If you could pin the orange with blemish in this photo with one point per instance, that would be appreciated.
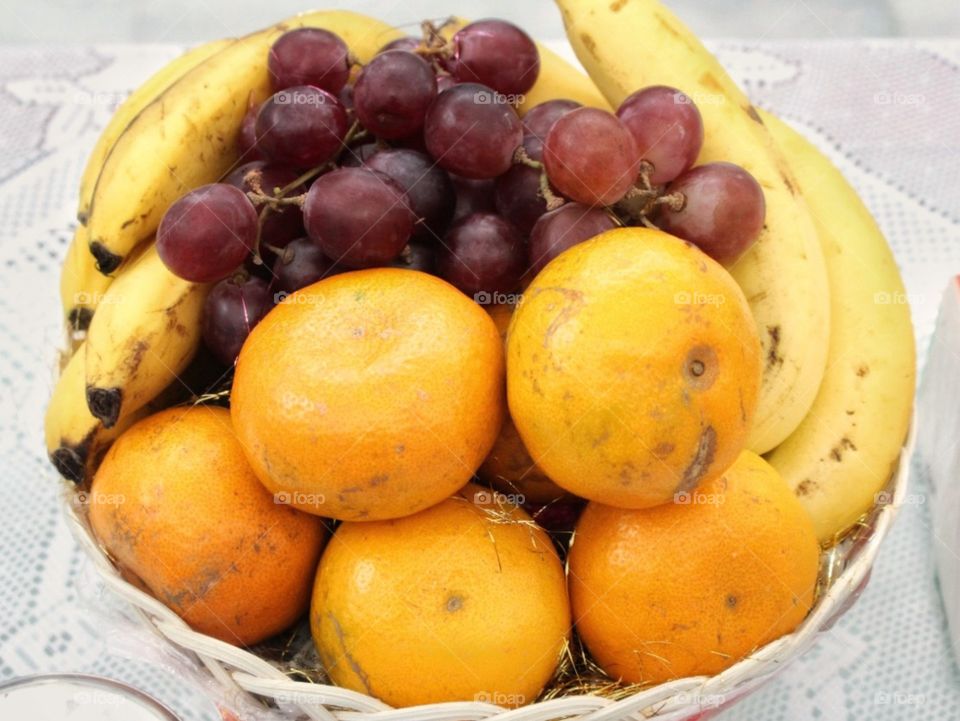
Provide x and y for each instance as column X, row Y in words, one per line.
column 176, row 504
column 633, row 366
column 692, row 587
column 465, row 601
column 370, row 395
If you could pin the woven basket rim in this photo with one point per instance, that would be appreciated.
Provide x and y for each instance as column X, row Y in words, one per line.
column 241, row 672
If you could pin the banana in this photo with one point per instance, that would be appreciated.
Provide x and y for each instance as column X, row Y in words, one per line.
column 187, row 136
column 144, row 334
column 81, row 285
column 130, row 108
column 629, row 44
column 75, row 438
column 560, row 79
column 843, row 453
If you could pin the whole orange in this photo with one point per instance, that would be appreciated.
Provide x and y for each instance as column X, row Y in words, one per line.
column 508, row 467
column 692, row 587
column 465, row 601
column 176, row 504
column 633, row 365
column 370, row 395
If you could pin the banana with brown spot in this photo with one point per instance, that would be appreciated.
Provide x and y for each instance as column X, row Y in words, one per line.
column 629, row 44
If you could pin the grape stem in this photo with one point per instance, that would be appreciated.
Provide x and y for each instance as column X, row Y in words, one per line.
column 644, row 198
column 522, row 157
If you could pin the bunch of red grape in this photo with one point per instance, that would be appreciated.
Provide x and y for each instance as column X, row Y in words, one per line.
column 419, row 160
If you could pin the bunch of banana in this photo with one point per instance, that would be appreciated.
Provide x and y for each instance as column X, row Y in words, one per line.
column 848, row 395
column 629, row 45
column 81, row 284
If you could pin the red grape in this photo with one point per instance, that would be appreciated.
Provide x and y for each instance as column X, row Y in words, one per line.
column 540, row 118
column 591, row 157
column 230, row 312
column 358, row 217
column 471, row 132
column 408, row 44
column 429, row 189
column 667, row 127
column 206, row 234
column 301, row 126
column 473, row 196
column 393, row 92
column 302, row 264
column 247, row 140
column 483, row 254
column 517, row 192
column 280, row 226
column 497, row 54
column 723, row 212
column 563, row 228
column 418, row 255
column 309, row 56
column 445, row 82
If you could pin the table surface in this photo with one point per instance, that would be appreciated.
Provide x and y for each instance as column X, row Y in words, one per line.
column 888, row 112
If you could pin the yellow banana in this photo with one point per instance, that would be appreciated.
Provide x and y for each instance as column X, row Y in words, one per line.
column 843, row 453
column 145, row 333
column 629, row 44
column 187, row 136
column 130, row 108
column 75, row 438
column 560, row 79
column 81, row 285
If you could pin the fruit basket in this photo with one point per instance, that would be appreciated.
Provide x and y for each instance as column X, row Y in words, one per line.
column 481, row 391
column 844, row 573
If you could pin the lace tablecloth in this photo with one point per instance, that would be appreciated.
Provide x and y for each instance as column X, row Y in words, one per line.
column 887, row 112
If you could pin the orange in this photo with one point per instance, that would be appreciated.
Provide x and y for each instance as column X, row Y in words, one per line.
column 465, row 601
column 508, row 467
column 633, row 366
column 177, row 505
column 692, row 587
column 370, row 395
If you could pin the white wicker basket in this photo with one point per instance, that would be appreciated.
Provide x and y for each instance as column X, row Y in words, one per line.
column 845, row 569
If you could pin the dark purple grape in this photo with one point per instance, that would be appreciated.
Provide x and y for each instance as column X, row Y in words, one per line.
column 429, row 189
column 358, row 217
column 309, row 56
column 563, row 228
column 483, row 254
column 540, row 118
column 418, row 255
column 471, row 132
column 247, row 139
column 301, row 126
column 517, row 197
column 279, row 226
column 667, row 127
column 497, row 54
column 206, row 234
column 393, row 92
column 408, row 44
column 357, row 155
column 473, row 196
column 591, row 157
column 723, row 211
column 302, row 264
column 230, row 312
